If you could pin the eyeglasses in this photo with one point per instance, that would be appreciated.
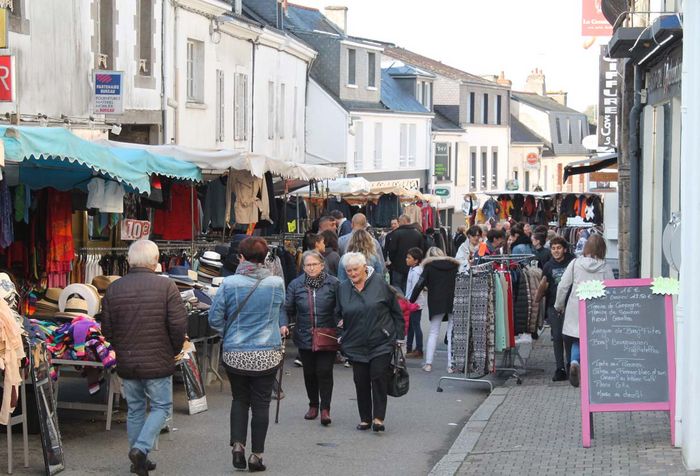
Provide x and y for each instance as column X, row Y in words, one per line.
column 312, row 265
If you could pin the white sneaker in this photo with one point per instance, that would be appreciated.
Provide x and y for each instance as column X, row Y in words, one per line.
column 298, row 363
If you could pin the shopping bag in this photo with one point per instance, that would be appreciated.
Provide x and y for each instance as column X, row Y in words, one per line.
column 194, row 385
column 398, row 374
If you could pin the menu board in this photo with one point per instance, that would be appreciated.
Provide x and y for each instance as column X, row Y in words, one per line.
column 627, row 355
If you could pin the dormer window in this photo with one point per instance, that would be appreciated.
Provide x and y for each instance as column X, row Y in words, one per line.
column 371, row 70
column 352, row 56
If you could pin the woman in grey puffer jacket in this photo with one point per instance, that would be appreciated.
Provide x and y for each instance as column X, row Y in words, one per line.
column 312, row 299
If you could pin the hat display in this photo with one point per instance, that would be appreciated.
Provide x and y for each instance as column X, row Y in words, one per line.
column 212, row 259
column 87, row 292
column 181, row 276
column 49, row 303
column 101, row 283
column 75, row 307
column 7, row 287
column 210, row 266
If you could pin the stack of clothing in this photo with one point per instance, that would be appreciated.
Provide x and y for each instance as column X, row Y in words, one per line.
column 82, row 339
column 210, row 265
column 48, row 305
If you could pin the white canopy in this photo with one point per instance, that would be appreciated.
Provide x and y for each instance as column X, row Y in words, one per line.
column 340, row 186
column 216, row 162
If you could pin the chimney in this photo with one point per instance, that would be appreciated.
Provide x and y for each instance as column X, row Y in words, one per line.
column 339, row 16
column 535, row 83
column 503, row 81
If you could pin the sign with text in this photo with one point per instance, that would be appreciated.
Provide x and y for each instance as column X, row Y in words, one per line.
column 608, row 114
column 108, row 97
column 132, row 230
column 593, row 22
column 627, row 352
column 442, row 161
column 7, row 78
column 408, row 184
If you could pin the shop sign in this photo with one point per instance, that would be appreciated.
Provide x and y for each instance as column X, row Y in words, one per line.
column 607, row 100
column 7, row 78
column 532, row 161
column 442, row 192
column 593, row 22
column 442, row 161
column 132, row 230
column 108, row 97
column 408, row 184
column 665, row 78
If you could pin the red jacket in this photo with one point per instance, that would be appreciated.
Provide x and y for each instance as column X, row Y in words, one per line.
column 407, row 307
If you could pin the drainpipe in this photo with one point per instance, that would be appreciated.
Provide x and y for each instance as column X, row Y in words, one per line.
column 635, row 172
column 176, row 79
column 163, row 73
column 252, row 95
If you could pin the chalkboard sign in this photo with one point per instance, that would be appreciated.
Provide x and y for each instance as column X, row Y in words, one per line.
column 627, row 351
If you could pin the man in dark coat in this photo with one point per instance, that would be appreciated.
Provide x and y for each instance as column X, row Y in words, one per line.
column 145, row 320
column 405, row 237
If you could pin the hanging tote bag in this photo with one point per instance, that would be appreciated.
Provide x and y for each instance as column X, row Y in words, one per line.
column 323, row 339
column 398, row 374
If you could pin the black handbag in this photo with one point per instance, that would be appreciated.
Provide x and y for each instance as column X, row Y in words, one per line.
column 398, row 374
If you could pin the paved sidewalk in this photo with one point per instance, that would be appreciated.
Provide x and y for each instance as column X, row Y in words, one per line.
column 535, row 428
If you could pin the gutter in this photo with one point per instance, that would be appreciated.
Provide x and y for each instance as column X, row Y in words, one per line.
column 635, row 171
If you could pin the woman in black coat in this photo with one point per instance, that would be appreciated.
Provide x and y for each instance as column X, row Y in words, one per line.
column 372, row 324
column 312, row 299
column 440, row 277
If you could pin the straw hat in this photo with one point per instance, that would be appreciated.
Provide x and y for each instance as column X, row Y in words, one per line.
column 103, row 282
column 50, row 300
column 87, row 292
column 75, row 307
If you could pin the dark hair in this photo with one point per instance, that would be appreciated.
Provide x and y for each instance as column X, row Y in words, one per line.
column 558, row 240
column 541, row 237
column 517, row 229
column 541, row 229
column 311, row 240
column 595, row 247
column 475, row 230
column 331, row 239
column 254, row 249
column 495, row 234
column 325, row 219
column 337, row 214
column 415, row 253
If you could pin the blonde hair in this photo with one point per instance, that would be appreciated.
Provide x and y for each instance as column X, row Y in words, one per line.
column 434, row 252
column 362, row 242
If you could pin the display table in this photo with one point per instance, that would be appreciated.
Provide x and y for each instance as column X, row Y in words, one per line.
column 210, row 357
column 113, row 388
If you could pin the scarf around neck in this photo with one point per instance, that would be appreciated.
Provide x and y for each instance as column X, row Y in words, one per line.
column 317, row 282
column 256, row 271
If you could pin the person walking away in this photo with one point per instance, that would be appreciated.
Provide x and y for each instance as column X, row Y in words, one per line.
column 372, row 324
column 359, row 222
column 439, row 276
column 551, row 276
column 330, row 255
column 414, row 257
column 591, row 266
column 248, row 313
column 311, row 300
column 460, row 237
column 405, row 237
column 145, row 319
column 362, row 242
column 468, row 250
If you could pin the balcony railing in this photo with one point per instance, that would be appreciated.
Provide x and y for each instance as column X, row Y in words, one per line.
column 642, row 13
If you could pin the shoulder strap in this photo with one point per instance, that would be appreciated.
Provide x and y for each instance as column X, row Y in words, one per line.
column 234, row 316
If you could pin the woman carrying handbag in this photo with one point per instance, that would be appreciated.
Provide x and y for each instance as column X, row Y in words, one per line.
column 311, row 298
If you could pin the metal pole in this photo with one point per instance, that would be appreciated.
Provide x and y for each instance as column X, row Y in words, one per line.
column 279, row 381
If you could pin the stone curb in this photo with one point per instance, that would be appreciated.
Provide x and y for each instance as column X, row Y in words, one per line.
column 470, row 434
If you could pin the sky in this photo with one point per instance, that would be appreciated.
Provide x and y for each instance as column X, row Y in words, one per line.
column 487, row 36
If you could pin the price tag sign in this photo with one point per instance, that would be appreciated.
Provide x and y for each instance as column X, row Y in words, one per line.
column 132, row 230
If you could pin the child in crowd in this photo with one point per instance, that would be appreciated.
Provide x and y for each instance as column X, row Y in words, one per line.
column 413, row 260
column 407, row 307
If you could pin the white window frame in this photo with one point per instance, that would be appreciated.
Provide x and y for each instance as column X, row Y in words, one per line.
column 378, row 129
column 195, row 71
column 412, row 138
column 220, row 106
column 484, row 166
column 472, row 168
column 281, row 111
column 359, row 145
column 240, row 107
column 271, row 110
column 295, row 119
column 494, row 168
column 371, row 70
column 352, row 66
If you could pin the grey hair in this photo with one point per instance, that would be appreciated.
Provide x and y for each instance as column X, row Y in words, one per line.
column 434, row 251
column 352, row 258
column 143, row 254
column 314, row 254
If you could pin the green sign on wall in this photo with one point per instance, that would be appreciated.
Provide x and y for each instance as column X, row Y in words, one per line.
column 442, row 161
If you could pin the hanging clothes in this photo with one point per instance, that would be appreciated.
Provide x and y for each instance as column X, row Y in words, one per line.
column 414, row 213
column 215, row 205
column 6, row 225
column 175, row 223
column 59, row 235
column 252, row 199
column 428, row 216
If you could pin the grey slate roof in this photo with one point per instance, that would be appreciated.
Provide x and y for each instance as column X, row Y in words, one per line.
column 408, row 70
column 397, row 99
column 543, row 103
column 298, row 17
column 450, row 113
column 521, row 134
column 441, row 123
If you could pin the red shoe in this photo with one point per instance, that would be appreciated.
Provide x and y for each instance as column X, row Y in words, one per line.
column 312, row 414
column 325, row 417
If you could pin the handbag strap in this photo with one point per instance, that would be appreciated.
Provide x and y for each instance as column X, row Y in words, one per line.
column 234, row 316
column 311, row 308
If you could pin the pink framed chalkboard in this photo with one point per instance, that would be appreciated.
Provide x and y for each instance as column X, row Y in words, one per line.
column 628, row 361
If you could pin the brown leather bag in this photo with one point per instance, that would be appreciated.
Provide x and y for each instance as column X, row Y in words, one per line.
column 323, row 339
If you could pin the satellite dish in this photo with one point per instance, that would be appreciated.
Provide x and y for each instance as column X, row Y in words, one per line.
column 671, row 242
column 590, row 142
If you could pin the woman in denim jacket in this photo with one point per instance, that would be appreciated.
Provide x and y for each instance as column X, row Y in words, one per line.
column 253, row 299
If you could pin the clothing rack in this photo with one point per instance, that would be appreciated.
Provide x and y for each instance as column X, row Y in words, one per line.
column 507, row 360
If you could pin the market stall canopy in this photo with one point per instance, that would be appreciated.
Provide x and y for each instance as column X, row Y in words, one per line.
column 54, row 156
column 217, row 162
column 159, row 164
column 593, row 164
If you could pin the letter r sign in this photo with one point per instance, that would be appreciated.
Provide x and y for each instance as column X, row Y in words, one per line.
column 7, row 78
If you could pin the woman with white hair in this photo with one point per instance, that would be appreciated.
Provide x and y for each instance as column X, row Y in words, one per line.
column 372, row 324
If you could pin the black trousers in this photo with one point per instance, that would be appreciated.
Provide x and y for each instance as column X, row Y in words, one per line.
column 250, row 395
column 318, row 376
column 371, row 380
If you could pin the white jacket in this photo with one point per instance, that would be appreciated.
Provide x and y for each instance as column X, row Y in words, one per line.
column 414, row 275
column 578, row 271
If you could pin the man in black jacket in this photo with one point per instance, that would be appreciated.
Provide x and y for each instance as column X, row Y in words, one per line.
column 405, row 237
column 144, row 318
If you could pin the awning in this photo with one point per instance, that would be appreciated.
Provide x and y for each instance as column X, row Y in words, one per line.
column 159, row 164
column 339, row 186
column 217, row 162
column 53, row 156
column 586, row 166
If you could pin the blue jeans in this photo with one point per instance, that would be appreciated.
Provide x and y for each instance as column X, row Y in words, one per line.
column 575, row 352
column 142, row 430
column 414, row 329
